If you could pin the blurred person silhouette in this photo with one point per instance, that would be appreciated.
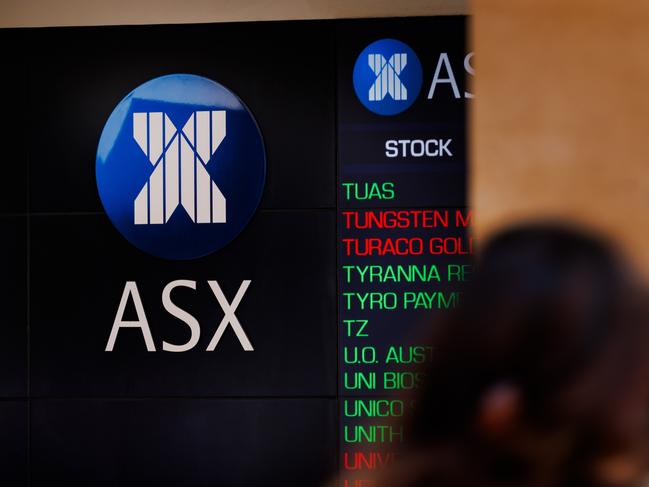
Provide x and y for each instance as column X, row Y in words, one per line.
column 541, row 377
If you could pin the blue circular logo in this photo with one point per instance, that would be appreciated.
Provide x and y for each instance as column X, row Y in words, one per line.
column 387, row 77
column 180, row 166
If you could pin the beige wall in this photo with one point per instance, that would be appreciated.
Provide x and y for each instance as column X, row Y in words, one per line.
column 561, row 115
column 22, row 13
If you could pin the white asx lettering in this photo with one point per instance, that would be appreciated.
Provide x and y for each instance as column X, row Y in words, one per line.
column 444, row 75
column 229, row 319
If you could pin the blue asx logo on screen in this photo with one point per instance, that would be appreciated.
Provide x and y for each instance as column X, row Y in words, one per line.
column 387, row 77
column 180, row 166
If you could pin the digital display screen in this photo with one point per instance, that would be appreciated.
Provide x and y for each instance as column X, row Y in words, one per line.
column 153, row 332
column 404, row 250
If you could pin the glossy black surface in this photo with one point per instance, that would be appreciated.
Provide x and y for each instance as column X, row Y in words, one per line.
column 183, row 442
column 13, row 446
column 13, row 302
column 15, row 111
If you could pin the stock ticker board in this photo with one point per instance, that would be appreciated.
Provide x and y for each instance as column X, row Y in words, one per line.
column 225, row 246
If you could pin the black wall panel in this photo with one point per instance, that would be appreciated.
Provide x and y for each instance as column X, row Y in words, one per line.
column 13, row 303
column 183, row 442
column 13, row 446
column 13, row 121
column 132, row 417
column 72, row 413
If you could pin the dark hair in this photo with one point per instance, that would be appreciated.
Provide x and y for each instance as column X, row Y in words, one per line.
column 554, row 313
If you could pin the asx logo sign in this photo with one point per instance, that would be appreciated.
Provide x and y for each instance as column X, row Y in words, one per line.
column 179, row 157
column 180, row 193
column 387, row 81
column 388, row 77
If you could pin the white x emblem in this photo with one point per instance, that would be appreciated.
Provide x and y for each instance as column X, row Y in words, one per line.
column 179, row 158
column 387, row 76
